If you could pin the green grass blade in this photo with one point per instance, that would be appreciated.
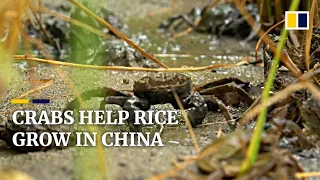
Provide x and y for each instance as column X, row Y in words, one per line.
column 253, row 150
column 90, row 162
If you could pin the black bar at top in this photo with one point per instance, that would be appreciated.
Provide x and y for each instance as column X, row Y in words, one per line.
column 40, row 101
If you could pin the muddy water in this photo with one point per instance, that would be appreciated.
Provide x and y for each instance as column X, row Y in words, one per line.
column 142, row 162
column 193, row 49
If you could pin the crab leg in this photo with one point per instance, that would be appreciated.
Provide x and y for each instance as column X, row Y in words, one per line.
column 2, row 130
column 222, row 82
column 212, row 101
column 195, row 13
column 119, row 100
column 100, row 92
column 222, row 89
column 166, row 24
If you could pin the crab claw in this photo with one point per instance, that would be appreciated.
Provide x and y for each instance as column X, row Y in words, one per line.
column 198, row 109
column 134, row 104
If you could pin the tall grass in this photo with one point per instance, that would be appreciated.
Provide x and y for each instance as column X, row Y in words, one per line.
column 253, row 150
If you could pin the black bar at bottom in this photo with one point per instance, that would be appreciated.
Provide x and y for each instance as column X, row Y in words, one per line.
column 40, row 101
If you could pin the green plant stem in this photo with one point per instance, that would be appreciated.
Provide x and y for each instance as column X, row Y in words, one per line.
column 253, row 150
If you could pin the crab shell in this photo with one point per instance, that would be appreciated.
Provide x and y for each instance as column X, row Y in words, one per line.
column 10, row 128
column 159, row 88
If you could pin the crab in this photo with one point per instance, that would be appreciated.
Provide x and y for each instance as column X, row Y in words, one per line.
column 8, row 130
column 302, row 105
column 117, row 53
column 223, row 19
column 63, row 39
column 158, row 89
column 222, row 158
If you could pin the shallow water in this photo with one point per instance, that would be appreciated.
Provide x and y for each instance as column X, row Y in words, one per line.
column 193, row 49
